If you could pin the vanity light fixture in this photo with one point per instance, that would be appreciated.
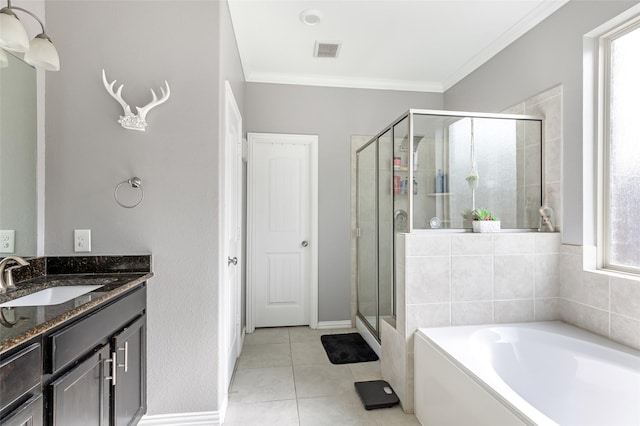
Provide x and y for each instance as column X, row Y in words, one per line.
column 40, row 52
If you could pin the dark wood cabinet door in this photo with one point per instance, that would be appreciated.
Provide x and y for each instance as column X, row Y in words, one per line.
column 129, row 394
column 81, row 396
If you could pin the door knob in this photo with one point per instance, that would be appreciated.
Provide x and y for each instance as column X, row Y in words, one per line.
column 233, row 260
column 305, row 243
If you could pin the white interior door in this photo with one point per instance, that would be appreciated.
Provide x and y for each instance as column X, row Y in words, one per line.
column 232, row 230
column 282, row 287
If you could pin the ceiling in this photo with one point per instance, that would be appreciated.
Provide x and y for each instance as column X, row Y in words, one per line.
column 416, row 45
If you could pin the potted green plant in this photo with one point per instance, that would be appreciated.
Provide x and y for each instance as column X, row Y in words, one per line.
column 485, row 221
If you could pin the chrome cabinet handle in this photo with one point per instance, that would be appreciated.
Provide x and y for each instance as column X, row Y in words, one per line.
column 233, row 260
column 113, row 362
column 305, row 243
column 126, row 357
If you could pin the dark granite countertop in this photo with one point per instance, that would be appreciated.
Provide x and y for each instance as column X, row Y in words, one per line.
column 20, row 324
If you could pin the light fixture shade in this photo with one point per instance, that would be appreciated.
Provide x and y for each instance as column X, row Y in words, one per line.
column 42, row 54
column 13, row 36
column 4, row 61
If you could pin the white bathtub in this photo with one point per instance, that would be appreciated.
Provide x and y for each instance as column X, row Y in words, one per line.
column 545, row 373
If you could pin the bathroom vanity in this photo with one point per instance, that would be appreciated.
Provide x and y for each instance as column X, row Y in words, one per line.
column 82, row 361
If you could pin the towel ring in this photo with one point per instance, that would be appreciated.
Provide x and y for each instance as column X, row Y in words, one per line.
column 134, row 182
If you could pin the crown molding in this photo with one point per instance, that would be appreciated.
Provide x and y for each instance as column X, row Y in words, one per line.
column 346, row 82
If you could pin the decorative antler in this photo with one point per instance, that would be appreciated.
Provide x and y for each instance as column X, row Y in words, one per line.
column 130, row 120
column 142, row 111
column 116, row 95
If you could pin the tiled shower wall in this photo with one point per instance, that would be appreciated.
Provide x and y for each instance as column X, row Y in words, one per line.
column 547, row 104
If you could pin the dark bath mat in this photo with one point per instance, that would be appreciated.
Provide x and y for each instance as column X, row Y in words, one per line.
column 347, row 348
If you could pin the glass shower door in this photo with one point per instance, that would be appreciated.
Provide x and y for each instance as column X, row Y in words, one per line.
column 367, row 264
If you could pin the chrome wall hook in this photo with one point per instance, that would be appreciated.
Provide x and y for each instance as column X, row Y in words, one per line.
column 134, row 182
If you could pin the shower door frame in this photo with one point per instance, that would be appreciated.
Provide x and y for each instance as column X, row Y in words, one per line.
column 374, row 329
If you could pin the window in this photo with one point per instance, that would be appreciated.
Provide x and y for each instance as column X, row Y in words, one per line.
column 620, row 184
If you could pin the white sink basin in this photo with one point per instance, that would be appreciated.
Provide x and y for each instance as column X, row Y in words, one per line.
column 51, row 296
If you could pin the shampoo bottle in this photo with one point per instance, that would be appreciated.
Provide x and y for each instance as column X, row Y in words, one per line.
column 396, row 184
column 439, row 181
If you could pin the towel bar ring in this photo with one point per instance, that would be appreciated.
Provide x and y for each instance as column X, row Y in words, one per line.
column 134, row 182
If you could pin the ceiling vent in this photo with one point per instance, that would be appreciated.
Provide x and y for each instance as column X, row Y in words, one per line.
column 327, row 49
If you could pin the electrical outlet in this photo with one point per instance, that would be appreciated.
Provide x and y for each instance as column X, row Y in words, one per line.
column 7, row 240
column 82, row 240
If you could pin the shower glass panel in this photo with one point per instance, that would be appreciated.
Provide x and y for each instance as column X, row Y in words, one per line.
column 401, row 175
column 464, row 162
column 366, row 210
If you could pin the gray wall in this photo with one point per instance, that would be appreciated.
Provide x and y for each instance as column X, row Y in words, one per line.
column 548, row 55
column 334, row 115
column 142, row 43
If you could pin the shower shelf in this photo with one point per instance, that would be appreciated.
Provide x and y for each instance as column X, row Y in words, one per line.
column 437, row 194
column 403, row 169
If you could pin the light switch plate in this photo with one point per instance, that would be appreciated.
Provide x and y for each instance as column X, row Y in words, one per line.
column 82, row 240
column 7, row 240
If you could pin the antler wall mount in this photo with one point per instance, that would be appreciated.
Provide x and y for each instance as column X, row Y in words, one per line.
column 130, row 120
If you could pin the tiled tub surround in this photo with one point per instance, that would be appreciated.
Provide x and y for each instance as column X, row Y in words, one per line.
column 604, row 303
column 118, row 274
column 445, row 279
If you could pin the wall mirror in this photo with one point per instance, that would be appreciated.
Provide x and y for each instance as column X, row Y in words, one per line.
column 18, row 157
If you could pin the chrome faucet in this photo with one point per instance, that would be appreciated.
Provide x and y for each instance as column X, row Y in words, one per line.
column 6, row 276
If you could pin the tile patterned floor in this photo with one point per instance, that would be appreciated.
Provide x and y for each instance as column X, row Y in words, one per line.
column 284, row 378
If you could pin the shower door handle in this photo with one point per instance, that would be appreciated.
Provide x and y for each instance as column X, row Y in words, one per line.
column 305, row 243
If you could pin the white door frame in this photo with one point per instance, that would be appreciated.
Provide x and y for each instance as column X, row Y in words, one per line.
column 313, row 262
column 229, row 111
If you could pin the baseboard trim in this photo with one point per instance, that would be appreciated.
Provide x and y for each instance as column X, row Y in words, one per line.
column 334, row 324
column 207, row 418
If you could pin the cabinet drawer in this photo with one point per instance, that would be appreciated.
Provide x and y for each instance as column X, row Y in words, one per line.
column 73, row 341
column 30, row 414
column 20, row 374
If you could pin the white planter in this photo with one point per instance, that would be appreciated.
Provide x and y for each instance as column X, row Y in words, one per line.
column 486, row 225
